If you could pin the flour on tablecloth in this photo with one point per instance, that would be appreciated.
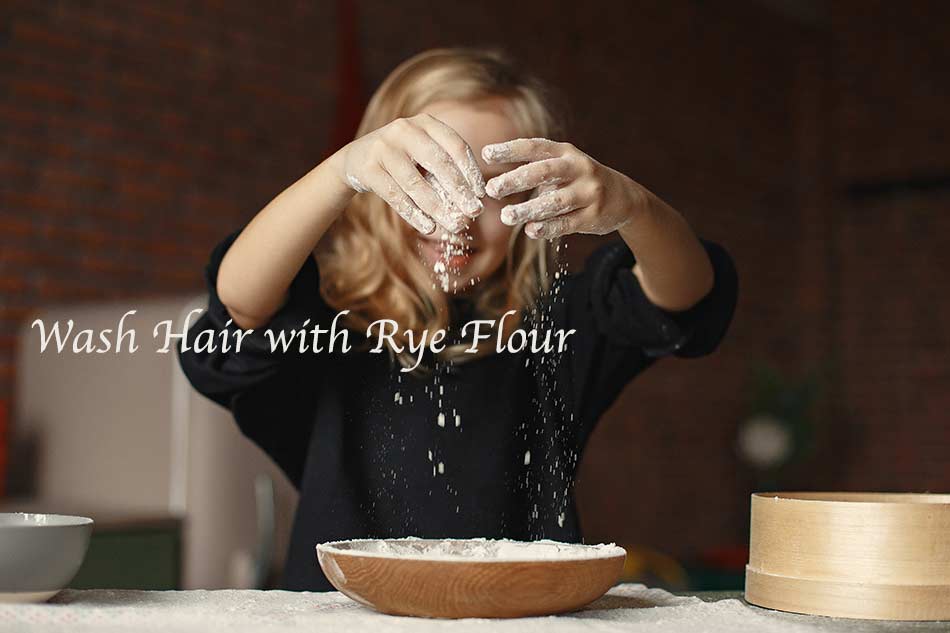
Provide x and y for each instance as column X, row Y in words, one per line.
column 625, row 609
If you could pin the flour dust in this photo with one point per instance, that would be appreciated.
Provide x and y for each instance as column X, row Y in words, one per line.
column 549, row 456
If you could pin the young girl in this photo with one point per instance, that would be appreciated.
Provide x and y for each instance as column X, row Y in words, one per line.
column 446, row 209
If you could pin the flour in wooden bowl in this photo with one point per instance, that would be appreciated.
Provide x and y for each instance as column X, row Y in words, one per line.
column 470, row 578
column 471, row 550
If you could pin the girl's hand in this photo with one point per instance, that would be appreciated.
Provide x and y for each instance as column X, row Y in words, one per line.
column 576, row 194
column 386, row 162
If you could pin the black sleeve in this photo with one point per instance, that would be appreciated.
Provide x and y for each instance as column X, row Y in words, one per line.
column 620, row 332
column 259, row 387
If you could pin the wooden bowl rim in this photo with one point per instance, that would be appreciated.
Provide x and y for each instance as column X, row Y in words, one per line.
column 858, row 498
column 611, row 551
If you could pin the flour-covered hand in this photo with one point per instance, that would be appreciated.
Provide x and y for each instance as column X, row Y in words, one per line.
column 387, row 162
column 575, row 193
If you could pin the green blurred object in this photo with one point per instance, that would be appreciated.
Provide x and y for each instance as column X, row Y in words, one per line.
column 719, row 569
column 702, row 578
column 144, row 554
column 779, row 431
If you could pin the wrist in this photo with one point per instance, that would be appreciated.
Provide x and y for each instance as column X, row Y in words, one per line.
column 642, row 208
column 341, row 187
column 336, row 163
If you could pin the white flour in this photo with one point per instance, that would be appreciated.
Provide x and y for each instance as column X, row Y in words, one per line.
column 478, row 548
column 450, row 245
column 355, row 184
column 473, row 174
column 547, row 473
column 449, row 205
column 501, row 152
column 625, row 609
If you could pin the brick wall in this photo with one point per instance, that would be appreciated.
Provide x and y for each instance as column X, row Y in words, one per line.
column 136, row 134
column 891, row 208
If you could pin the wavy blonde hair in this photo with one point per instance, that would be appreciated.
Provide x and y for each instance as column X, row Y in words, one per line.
column 366, row 260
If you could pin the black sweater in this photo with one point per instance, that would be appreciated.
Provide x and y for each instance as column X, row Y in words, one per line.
column 372, row 457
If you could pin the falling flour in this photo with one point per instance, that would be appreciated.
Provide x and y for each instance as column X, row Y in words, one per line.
column 450, row 245
column 549, row 480
column 477, row 548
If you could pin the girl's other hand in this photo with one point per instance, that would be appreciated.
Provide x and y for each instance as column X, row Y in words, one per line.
column 576, row 194
column 386, row 162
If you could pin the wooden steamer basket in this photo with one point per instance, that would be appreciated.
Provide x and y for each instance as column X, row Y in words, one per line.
column 880, row 556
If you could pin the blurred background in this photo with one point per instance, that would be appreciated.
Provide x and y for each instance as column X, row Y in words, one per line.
column 810, row 138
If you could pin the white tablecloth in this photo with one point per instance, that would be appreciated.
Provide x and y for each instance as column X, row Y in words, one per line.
column 628, row 608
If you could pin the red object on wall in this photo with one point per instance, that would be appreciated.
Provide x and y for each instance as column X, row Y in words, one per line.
column 349, row 104
column 726, row 557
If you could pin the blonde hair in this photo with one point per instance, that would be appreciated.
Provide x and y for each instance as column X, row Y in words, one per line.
column 366, row 260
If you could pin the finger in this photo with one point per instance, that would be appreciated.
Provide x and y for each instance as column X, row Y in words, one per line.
column 452, row 219
column 550, row 171
column 555, row 227
column 404, row 171
column 459, row 220
column 459, row 150
column 426, row 152
column 383, row 185
column 548, row 205
column 523, row 150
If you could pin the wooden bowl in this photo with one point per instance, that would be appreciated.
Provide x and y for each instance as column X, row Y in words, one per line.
column 879, row 556
column 473, row 578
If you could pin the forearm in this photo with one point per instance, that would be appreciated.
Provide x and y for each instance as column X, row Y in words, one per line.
column 672, row 265
column 261, row 264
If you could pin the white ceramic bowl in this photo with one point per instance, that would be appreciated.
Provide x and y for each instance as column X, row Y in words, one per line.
column 40, row 554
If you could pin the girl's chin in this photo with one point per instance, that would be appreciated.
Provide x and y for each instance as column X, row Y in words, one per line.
column 453, row 280
column 464, row 286
column 460, row 282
